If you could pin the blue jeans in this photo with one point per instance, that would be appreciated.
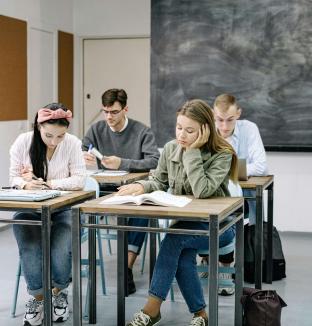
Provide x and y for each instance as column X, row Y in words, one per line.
column 177, row 258
column 28, row 239
column 136, row 239
column 251, row 205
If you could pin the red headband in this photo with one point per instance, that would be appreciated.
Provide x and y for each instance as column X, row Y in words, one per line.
column 47, row 114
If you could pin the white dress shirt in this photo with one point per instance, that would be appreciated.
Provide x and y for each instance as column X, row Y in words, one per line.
column 247, row 143
column 66, row 169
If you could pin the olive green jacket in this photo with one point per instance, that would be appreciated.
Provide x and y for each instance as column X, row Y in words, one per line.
column 194, row 172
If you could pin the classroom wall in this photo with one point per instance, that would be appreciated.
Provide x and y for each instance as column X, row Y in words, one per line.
column 39, row 14
column 132, row 18
column 292, row 170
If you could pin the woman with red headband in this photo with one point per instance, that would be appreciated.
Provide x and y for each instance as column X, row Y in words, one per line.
column 47, row 158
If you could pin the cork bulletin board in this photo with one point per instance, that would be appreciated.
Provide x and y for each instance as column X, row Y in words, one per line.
column 66, row 69
column 13, row 69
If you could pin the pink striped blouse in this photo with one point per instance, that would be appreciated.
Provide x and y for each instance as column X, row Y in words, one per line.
column 66, row 169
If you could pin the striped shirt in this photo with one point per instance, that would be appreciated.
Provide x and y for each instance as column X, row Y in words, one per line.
column 66, row 169
column 247, row 143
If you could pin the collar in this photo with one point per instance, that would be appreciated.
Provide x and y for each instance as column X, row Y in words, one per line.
column 124, row 126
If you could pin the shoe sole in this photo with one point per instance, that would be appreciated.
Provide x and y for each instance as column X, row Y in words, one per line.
column 26, row 323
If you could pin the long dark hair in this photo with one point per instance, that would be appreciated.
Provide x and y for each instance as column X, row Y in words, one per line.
column 38, row 149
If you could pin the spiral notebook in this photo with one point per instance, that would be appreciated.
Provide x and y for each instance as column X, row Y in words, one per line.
column 28, row 195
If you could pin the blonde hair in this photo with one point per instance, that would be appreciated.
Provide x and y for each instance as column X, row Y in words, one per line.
column 224, row 101
column 200, row 111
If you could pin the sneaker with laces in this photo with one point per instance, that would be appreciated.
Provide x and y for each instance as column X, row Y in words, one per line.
column 142, row 319
column 199, row 321
column 34, row 312
column 226, row 290
column 60, row 311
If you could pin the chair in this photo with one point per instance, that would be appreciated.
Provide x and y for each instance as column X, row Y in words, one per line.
column 227, row 270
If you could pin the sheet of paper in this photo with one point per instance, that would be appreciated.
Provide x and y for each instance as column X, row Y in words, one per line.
column 111, row 173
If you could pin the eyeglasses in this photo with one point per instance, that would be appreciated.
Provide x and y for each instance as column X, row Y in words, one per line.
column 113, row 112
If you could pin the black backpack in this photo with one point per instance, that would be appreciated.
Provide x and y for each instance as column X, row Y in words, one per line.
column 279, row 264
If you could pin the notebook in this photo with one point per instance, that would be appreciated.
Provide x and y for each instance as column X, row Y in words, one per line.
column 242, row 169
column 28, row 195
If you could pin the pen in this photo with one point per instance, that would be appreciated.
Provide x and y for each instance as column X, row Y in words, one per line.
column 90, row 147
column 44, row 183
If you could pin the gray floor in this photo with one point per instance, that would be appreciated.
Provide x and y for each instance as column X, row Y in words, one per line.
column 296, row 289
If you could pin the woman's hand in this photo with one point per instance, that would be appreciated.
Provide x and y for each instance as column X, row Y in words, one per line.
column 38, row 184
column 203, row 136
column 133, row 189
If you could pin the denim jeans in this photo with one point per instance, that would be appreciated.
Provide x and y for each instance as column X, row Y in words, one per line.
column 177, row 258
column 251, row 205
column 136, row 239
column 28, row 239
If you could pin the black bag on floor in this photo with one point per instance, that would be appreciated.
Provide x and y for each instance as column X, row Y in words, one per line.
column 261, row 307
column 279, row 264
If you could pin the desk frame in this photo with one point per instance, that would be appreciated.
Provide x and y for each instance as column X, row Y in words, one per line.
column 259, row 184
column 215, row 230
column 45, row 208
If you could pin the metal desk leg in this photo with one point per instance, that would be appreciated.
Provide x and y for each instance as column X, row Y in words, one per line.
column 239, row 268
column 121, row 274
column 269, row 252
column 213, row 270
column 46, row 262
column 92, row 270
column 258, row 238
column 153, row 223
column 76, row 254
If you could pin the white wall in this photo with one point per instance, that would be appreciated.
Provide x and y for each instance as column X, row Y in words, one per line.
column 100, row 18
column 292, row 190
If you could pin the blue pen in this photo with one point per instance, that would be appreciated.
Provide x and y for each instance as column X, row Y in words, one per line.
column 90, row 147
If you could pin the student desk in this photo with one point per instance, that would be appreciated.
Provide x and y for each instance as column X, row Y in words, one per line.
column 46, row 208
column 259, row 184
column 212, row 210
column 116, row 181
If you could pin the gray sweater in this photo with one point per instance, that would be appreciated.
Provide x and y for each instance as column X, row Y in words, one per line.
column 136, row 145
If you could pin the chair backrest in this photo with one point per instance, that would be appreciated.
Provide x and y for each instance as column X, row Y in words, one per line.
column 92, row 185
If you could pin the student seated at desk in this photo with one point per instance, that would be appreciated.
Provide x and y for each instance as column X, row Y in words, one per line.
column 47, row 158
column 199, row 163
column 245, row 138
column 126, row 145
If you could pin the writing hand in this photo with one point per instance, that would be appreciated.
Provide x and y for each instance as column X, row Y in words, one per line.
column 111, row 162
column 203, row 136
column 89, row 158
column 133, row 189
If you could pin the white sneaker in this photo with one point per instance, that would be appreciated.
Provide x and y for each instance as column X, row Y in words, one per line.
column 204, row 264
column 225, row 291
column 60, row 311
column 34, row 312
column 199, row 321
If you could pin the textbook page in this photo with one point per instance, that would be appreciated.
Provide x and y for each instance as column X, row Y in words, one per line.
column 158, row 197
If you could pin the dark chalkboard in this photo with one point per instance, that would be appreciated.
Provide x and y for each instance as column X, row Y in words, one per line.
column 259, row 50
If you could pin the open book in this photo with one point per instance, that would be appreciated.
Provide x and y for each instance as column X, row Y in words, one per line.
column 154, row 198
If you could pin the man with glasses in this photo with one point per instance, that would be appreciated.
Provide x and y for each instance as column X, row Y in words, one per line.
column 128, row 145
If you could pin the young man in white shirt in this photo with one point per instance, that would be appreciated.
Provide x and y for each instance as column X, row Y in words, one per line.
column 245, row 138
